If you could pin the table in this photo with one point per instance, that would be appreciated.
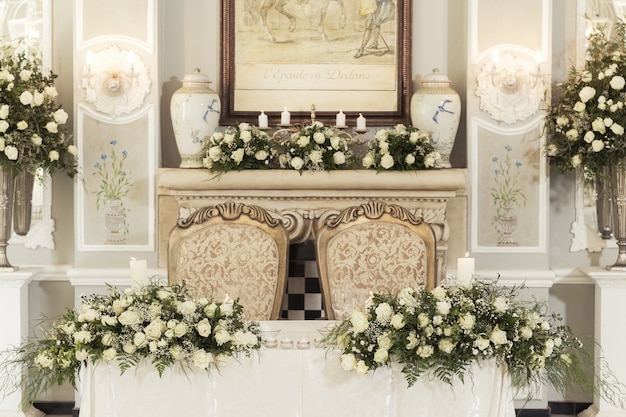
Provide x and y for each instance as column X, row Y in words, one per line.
column 292, row 383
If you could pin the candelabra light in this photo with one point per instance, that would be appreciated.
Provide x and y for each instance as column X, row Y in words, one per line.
column 511, row 88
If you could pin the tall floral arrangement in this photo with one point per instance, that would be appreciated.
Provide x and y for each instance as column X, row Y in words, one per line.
column 159, row 325
column 316, row 147
column 585, row 125
column 401, row 148
column 33, row 132
column 237, row 148
column 441, row 332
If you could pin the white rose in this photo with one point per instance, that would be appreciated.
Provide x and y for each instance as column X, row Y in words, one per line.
column 387, row 161
column 226, row 309
column 107, row 339
column 36, row 140
column 50, row 91
column 526, row 332
column 467, row 321
column 52, row 127
column 25, row 74
column 4, row 111
column 579, row 107
column 82, row 336
column 186, row 308
column 446, row 345
column 229, row 138
column 215, row 153
column 497, row 336
column 425, row 351
column 410, row 159
column 439, row 293
column 155, row 329
column 383, row 313
column 140, row 339
column 576, row 160
column 368, row 160
column 243, row 126
column 202, row 359
column 381, row 355
column 397, row 321
column 81, row 355
column 572, row 134
column 129, row 348
column 4, row 125
column 11, row 152
column 303, row 141
column 335, row 142
column 358, row 320
column 37, row 99
column 384, row 147
column 60, row 116
column 22, row 125
column 53, row 155
column 481, row 343
column 210, row 310
column 423, row 320
column 246, row 136
column 562, row 121
column 598, row 125
column 431, row 159
column 617, row 129
column 443, row 307
column 361, row 368
column 617, row 82
column 128, row 318
column 405, row 297
column 597, row 145
column 414, row 137
column 26, row 98
column 204, row 328
column 109, row 354
column 500, row 304
column 222, row 336
column 586, row 94
column 177, row 352
column 339, row 158
column 316, row 157
column 437, row 320
column 348, row 361
column 319, row 137
column 180, row 330
column 237, row 156
column 297, row 163
column 589, row 136
column 261, row 155
column 545, row 326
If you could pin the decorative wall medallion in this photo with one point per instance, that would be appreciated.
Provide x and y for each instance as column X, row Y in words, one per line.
column 510, row 88
column 115, row 81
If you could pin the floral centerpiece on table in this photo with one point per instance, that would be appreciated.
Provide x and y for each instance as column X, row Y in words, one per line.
column 585, row 125
column 440, row 332
column 316, row 147
column 160, row 325
column 33, row 130
column 401, row 148
column 237, row 148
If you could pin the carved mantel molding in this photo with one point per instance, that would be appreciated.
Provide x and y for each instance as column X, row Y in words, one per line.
column 304, row 201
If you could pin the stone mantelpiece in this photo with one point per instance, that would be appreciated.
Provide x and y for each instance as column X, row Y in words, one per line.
column 305, row 200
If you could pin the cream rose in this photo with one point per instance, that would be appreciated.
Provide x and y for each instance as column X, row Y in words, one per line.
column 586, row 93
column 237, row 156
column 203, row 327
column 359, row 321
column 297, row 163
column 339, row 158
column 53, row 155
column 11, row 152
column 387, row 161
column 497, row 336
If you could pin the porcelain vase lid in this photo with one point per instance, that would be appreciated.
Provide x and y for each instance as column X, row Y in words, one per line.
column 196, row 79
column 436, row 78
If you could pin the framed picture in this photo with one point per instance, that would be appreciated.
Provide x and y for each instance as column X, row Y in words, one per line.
column 318, row 56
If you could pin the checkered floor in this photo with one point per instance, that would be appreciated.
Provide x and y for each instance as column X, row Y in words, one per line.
column 303, row 300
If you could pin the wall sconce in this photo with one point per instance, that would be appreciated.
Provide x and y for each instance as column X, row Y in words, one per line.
column 511, row 88
column 115, row 81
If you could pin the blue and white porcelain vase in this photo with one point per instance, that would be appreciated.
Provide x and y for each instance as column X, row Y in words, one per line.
column 436, row 108
column 195, row 111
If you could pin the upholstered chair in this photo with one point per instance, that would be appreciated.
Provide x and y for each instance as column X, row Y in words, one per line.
column 373, row 247
column 233, row 250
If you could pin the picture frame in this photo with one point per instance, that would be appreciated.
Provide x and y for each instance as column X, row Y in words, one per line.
column 316, row 59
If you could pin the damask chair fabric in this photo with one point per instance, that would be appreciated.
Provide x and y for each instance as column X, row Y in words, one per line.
column 233, row 250
column 374, row 247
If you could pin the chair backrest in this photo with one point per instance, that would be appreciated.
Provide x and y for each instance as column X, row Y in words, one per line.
column 233, row 250
column 374, row 247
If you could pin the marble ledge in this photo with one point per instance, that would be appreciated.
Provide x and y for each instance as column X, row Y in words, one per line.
column 444, row 181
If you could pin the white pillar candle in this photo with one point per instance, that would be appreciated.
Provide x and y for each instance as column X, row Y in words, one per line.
column 464, row 271
column 138, row 272
column 360, row 122
column 263, row 122
column 340, row 119
column 285, row 117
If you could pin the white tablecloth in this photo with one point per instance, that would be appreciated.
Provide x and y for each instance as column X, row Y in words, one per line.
column 291, row 383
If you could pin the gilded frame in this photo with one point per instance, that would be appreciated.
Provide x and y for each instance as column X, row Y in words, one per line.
column 302, row 70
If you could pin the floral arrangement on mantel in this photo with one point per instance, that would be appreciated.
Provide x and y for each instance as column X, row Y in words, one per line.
column 585, row 125
column 402, row 148
column 237, row 148
column 441, row 332
column 317, row 147
column 33, row 133
column 161, row 325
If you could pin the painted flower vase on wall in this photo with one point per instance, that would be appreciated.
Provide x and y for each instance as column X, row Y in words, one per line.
column 435, row 107
column 115, row 222
column 195, row 111
column 507, row 224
